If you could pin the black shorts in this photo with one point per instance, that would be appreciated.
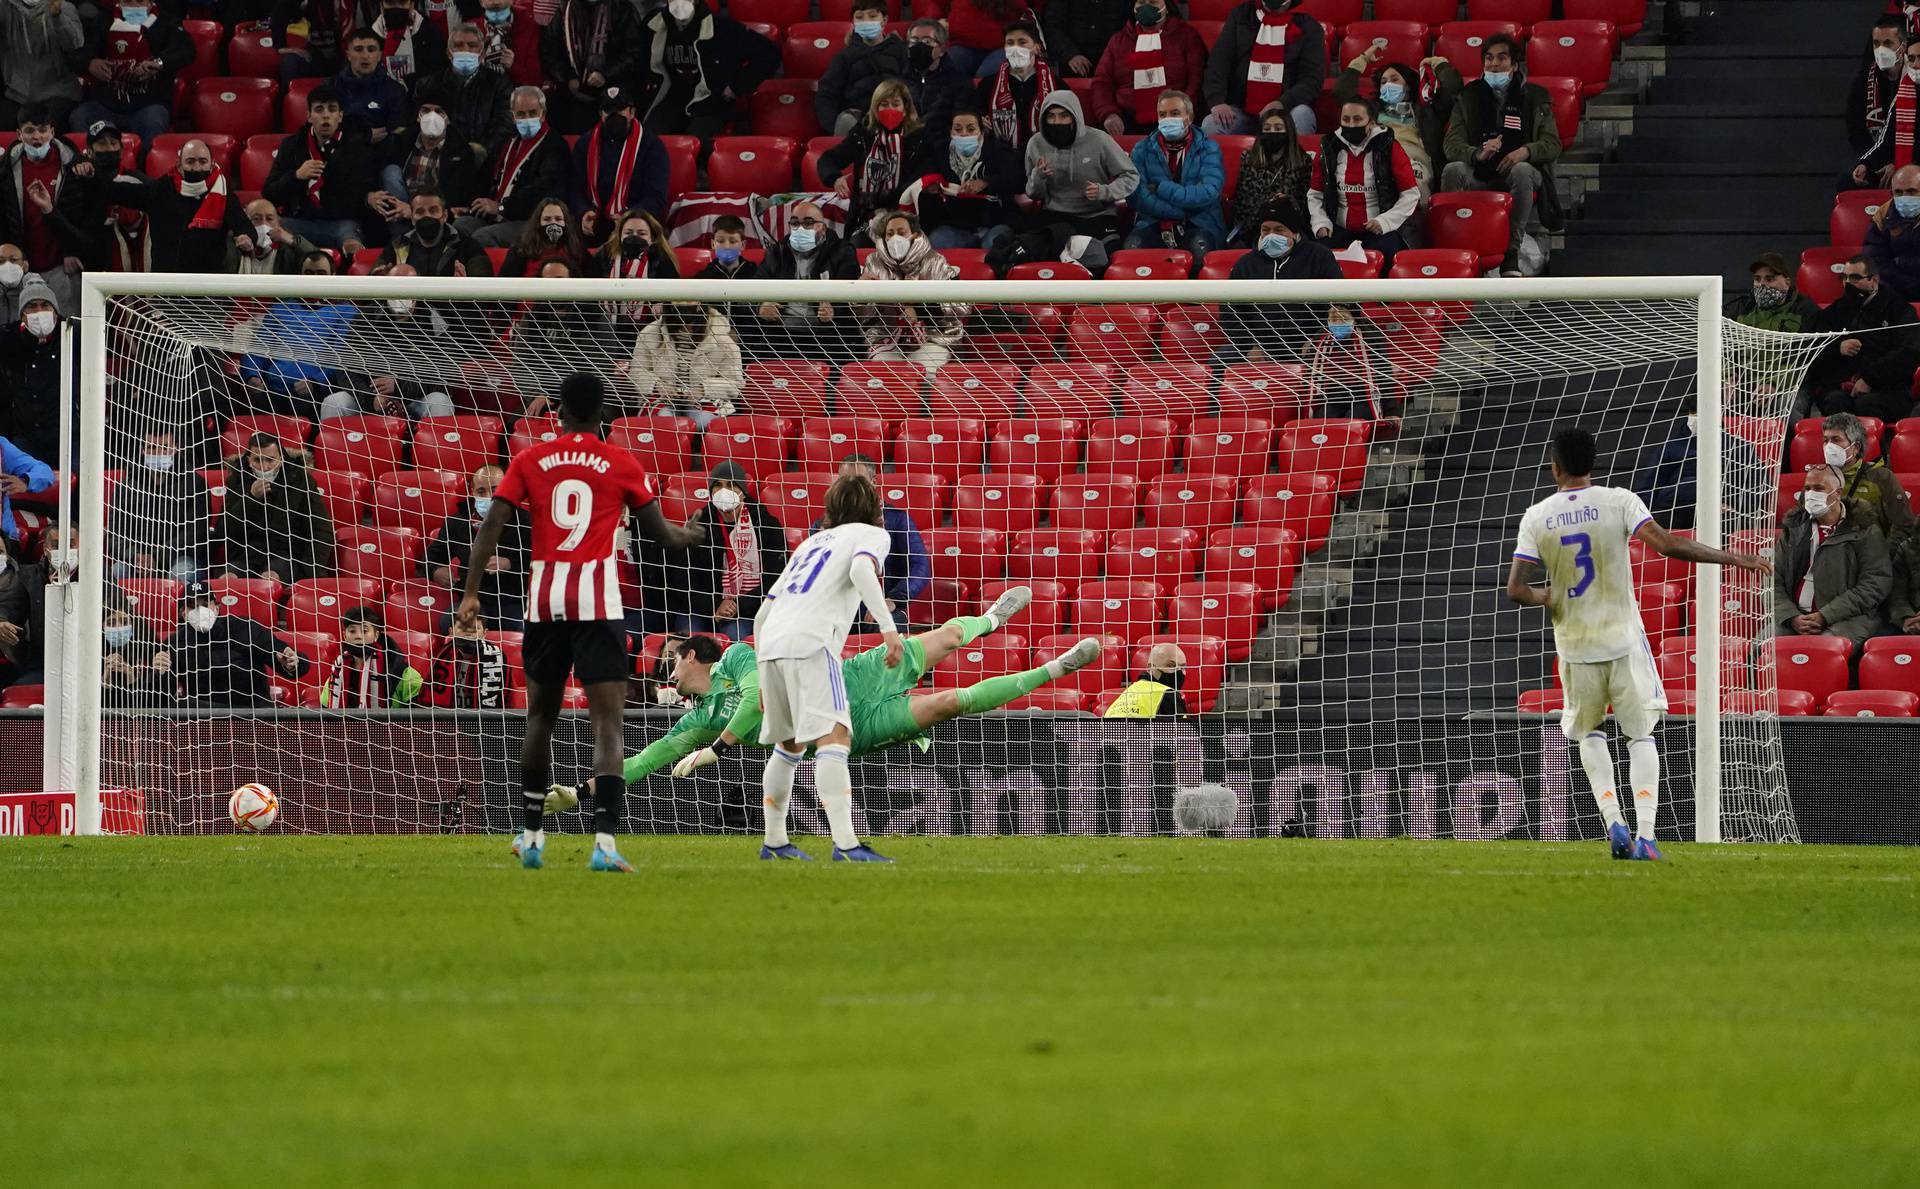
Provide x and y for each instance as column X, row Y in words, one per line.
column 594, row 651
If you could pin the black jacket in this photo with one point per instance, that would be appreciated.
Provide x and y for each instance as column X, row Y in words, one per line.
column 544, row 175
column 458, row 174
column 1082, row 28
column 648, row 188
column 834, row 259
column 936, row 94
column 162, row 513
column 13, row 218
column 851, row 153
column 1306, row 66
column 1886, row 361
column 689, row 583
column 325, row 39
column 853, row 74
column 732, row 58
column 287, row 531
column 453, row 545
column 30, row 389
column 476, row 104
column 1280, row 330
column 352, row 174
column 618, row 64
column 229, row 665
column 176, row 247
column 1884, row 86
column 1005, row 179
column 437, row 260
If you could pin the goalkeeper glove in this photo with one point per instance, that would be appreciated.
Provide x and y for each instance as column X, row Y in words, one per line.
column 688, row 765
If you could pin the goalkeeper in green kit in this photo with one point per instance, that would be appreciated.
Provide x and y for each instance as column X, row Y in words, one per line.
column 885, row 711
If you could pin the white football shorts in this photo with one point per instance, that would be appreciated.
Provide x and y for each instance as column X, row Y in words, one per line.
column 1629, row 684
column 802, row 699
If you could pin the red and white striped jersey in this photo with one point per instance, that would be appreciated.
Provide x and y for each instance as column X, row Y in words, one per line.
column 576, row 489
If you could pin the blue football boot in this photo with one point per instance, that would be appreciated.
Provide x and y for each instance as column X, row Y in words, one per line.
column 1620, row 841
column 859, row 854
column 789, row 851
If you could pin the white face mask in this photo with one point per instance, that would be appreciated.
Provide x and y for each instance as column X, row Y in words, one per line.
column 726, row 500
column 898, row 246
column 1816, row 503
column 1885, row 57
column 41, row 323
column 1913, row 72
column 1019, row 57
column 201, row 618
column 11, row 274
column 400, row 305
column 159, row 462
column 681, row 10
column 1693, row 426
column 1834, row 454
column 666, row 695
column 433, row 124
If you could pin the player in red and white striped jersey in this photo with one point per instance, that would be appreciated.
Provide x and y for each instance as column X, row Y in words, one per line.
column 576, row 490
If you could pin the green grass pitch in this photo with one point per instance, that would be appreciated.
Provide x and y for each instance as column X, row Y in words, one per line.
column 1063, row 1012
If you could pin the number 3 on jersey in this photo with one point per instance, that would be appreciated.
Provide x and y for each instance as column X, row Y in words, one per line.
column 1583, row 559
column 572, row 510
column 807, row 567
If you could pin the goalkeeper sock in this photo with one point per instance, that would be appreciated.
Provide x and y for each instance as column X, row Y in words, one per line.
column 609, row 807
column 533, row 838
column 776, row 791
column 835, row 785
column 972, row 627
column 533, row 807
column 985, row 695
column 1643, row 768
column 1598, row 761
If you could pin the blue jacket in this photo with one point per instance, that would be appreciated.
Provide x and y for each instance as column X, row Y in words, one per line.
column 1194, row 197
column 298, row 329
column 39, row 476
column 909, row 569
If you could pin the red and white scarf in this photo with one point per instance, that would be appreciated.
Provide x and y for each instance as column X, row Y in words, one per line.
column 126, row 47
column 615, row 202
column 880, row 172
column 361, row 682
column 1342, row 367
column 319, row 152
column 1002, row 110
column 1148, row 62
column 743, row 574
column 132, row 248
column 1267, row 65
column 212, row 212
column 520, row 150
column 398, row 50
column 1905, row 101
column 1429, row 85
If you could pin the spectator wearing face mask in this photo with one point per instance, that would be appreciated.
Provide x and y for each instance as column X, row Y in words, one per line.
column 1502, row 136
column 1869, row 486
column 617, row 167
column 1868, row 374
column 1077, row 174
column 1346, row 376
column 510, row 40
column 1156, row 692
column 1831, row 572
column 13, row 281
column 1177, row 204
column 969, row 193
column 220, row 660
column 432, row 246
column 1772, row 303
column 85, row 208
column 20, row 473
column 134, row 51
column 410, row 44
column 34, row 176
column 1277, row 333
column 1412, row 104
column 878, row 159
column 193, row 214
column 976, row 34
column 1014, row 94
column 1893, row 236
column 160, row 518
column 432, row 155
column 38, row 41
column 1268, row 52
column 30, row 372
column 934, row 83
column 275, row 251
column 275, row 522
column 368, row 673
column 1870, row 98
column 728, row 243
column 813, row 329
column 522, row 172
column 22, row 611
column 548, row 234
column 689, row 359
column 469, row 671
column 1274, row 169
column 636, row 247
column 1363, row 188
column 909, row 333
column 871, row 56
column 472, row 97
column 1893, row 147
column 1155, row 53
column 717, row 584
column 503, row 588
column 127, row 650
column 693, row 64
column 391, row 330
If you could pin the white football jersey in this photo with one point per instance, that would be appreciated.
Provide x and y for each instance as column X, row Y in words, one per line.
column 811, row 605
column 1581, row 537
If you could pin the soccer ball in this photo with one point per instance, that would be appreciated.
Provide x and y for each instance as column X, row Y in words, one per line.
column 253, row 808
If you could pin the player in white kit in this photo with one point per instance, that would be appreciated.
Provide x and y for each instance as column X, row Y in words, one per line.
column 1579, row 535
column 798, row 636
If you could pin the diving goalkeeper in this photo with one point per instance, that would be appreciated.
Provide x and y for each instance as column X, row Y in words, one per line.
column 884, row 709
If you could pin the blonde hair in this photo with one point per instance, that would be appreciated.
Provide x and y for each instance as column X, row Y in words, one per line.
column 893, row 88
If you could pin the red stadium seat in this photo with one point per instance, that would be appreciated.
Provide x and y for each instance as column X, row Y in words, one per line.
column 1050, row 698
column 346, row 494
column 754, row 164
column 1049, row 270
column 683, row 163
column 925, row 497
column 1230, row 610
column 1363, row 270
column 23, row 697
column 1190, row 334
column 317, row 604
column 759, row 442
column 995, row 656
column 293, row 105
column 1219, row 263
column 1044, row 611
column 462, row 442
column 662, row 445
column 256, row 599
column 1663, row 606
column 1853, row 212
column 1178, row 391
column 364, row 262
column 1238, row 446
column 1432, row 13
column 811, row 46
column 1263, row 554
column 1817, row 664
column 1109, row 671
column 1066, row 556
column 382, row 553
column 1626, row 16
column 824, row 441
column 1334, row 447
column 256, row 160
column 1891, row 662
column 531, row 431
column 1446, row 263
column 208, row 38
column 156, row 601
column 1400, row 41
column 1149, row 264
column 989, row 391
column 796, row 498
column 969, row 555
column 252, row 54
column 1206, row 665
column 842, row 10
column 794, row 386
column 1303, row 503
column 1122, row 335
column 1129, row 610
column 1569, row 101
column 784, row 107
column 1472, row 219
column 1081, row 390
column 1004, row 503
column 367, row 443
column 1334, row 14
column 1272, row 392
column 420, row 500
column 1199, row 502
column 1787, row 495
column 1232, row 149
column 1046, row 447
column 239, row 107
column 1872, row 703
column 418, row 606
column 1574, row 49
column 1459, row 42
column 1524, row 13
column 1138, row 446
column 810, row 162
column 1541, row 701
column 292, row 432
column 1162, row 556
column 889, row 391
column 1102, row 503
column 683, row 494
column 945, row 446
column 1019, row 349
column 1819, row 274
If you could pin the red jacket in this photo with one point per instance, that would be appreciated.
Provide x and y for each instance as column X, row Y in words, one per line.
column 972, row 23
column 1186, row 63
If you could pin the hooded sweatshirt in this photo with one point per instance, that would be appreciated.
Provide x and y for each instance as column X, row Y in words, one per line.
column 1092, row 157
column 34, row 45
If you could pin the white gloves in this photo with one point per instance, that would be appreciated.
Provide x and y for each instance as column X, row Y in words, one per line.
column 688, row 765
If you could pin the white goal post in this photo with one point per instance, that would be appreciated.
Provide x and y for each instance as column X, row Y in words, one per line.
column 1634, row 320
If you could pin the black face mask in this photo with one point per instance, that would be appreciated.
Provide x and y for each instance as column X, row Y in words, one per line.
column 1147, row 16
column 554, row 232
column 195, row 175
column 359, row 651
column 106, row 163
column 1354, row 136
column 427, row 228
column 1273, row 142
column 920, row 57
column 633, row 247
column 396, row 18
column 468, row 643
column 616, row 126
column 1060, row 136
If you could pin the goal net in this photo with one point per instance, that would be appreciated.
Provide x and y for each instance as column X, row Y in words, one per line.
column 1290, row 507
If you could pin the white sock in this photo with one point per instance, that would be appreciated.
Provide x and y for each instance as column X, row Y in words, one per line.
column 1643, row 768
column 604, row 842
column 776, row 790
column 1598, row 761
column 1055, row 670
column 835, row 785
column 532, row 838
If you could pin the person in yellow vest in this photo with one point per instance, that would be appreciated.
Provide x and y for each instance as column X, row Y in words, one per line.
column 1157, row 692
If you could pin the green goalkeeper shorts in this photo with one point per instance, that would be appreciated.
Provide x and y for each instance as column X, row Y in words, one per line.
column 878, row 697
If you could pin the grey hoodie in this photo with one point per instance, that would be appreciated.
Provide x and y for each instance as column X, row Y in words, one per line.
column 1093, row 157
column 34, row 46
